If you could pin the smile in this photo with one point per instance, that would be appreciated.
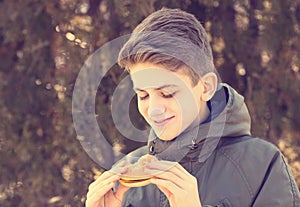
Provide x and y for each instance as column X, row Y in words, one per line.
column 163, row 121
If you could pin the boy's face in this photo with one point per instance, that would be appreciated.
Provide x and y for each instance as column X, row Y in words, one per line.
column 167, row 100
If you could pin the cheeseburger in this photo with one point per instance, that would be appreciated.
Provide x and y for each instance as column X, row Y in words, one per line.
column 135, row 175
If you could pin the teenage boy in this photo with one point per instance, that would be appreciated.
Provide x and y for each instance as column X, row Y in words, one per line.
column 200, row 128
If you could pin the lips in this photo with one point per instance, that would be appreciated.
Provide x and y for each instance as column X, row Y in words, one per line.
column 162, row 122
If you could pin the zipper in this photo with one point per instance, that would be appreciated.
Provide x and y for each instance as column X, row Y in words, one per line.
column 225, row 203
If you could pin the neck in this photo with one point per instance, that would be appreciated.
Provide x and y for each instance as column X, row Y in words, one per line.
column 204, row 113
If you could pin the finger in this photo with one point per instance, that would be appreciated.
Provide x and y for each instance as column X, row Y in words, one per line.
column 168, row 186
column 169, row 175
column 105, row 178
column 164, row 166
column 122, row 188
column 97, row 195
column 168, row 194
column 182, row 169
column 119, row 194
column 100, row 189
column 175, row 164
column 164, row 190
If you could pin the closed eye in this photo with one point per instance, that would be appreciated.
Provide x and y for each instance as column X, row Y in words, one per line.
column 168, row 95
column 143, row 97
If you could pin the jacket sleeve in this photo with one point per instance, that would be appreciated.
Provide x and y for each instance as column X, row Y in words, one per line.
column 278, row 188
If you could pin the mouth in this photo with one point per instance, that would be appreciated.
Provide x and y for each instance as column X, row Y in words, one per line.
column 162, row 122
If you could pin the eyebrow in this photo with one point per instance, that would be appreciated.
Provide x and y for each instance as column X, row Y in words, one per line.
column 159, row 88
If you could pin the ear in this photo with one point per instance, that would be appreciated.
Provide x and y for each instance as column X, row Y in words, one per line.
column 210, row 82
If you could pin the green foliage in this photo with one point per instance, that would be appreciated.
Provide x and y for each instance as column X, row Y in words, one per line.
column 43, row 45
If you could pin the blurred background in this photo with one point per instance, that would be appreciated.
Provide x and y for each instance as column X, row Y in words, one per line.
column 44, row 43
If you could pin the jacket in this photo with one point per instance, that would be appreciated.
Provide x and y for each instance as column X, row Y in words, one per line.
column 233, row 168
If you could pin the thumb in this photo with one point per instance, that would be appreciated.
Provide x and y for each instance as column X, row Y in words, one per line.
column 164, row 190
column 121, row 190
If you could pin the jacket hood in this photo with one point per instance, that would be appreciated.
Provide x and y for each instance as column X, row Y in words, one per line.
column 229, row 117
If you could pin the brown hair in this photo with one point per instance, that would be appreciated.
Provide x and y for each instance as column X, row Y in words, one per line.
column 172, row 38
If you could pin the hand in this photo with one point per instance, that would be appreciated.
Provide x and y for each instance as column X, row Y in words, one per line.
column 179, row 186
column 100, row 192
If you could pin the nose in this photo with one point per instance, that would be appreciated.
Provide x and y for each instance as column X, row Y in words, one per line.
column 156, row 107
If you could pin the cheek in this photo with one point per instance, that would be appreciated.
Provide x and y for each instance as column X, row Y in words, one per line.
column 142, row 107
column 188, row 102
column 188, row 108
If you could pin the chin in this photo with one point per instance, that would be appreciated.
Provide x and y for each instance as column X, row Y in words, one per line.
column 166, row 136
column 169, row 134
